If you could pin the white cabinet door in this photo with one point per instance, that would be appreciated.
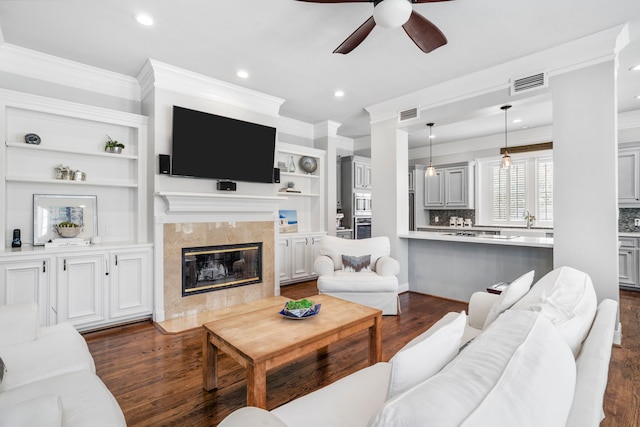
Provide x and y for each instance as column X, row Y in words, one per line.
column 81, row 281
column 629, row 178
column 367, row 176
column 359, row 175
column 27, row 281
column 284, row 257
column 434, row 190
column 299, row 257
column 129, row 283
column 455, row 183
column 314, row 251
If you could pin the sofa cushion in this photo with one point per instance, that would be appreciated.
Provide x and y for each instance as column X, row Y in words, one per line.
column 566, row 297
column 502, row 378
column 356, row 264
column 335, row 247
column 365, row 281
column 19, row 323
column 59, row 349
column 516, row 290
column 41, row 411
column 427, row 353
column 86, row 401
column 352, row 400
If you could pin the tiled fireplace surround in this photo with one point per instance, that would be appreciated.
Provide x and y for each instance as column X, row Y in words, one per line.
column 211, row 220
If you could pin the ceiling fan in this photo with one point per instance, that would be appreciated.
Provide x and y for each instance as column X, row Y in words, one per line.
column 393, row 14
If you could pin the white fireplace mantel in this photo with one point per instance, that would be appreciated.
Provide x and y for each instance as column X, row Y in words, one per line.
column 227, row 205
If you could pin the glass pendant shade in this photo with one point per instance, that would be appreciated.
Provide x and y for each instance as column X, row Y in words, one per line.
column 431, row 171
column 506, row 161
column 392, row 13
column 506, row 158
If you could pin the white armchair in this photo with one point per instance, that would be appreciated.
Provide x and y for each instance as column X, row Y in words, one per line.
column 370, row 275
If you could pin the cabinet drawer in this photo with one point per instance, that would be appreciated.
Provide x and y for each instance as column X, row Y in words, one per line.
column 628, row 242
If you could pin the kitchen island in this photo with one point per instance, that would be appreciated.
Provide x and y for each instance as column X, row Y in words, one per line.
column 453, row 265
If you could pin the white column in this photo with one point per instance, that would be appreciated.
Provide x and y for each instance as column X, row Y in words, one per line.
column 585, row 174
column 390, row 190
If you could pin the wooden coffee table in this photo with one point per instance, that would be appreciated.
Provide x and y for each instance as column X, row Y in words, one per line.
column 262, row 339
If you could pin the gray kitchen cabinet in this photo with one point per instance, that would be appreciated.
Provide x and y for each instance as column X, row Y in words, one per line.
column 450, row 188
column 628, row 256
column 629, row 177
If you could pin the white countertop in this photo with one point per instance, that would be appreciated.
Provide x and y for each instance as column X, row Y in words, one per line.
column 628, row 234
column 534, row 242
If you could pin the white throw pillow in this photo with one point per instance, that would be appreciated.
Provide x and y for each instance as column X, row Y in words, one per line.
column 41, row 411
column 426, row 354
column 512, row 294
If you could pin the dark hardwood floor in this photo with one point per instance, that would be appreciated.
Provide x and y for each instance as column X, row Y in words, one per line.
column 157, row 379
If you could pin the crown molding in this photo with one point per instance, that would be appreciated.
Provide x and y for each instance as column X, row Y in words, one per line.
column 583, row 52
column 295, row 127
column 629, row 120
column 158, row 75
column 53, row 69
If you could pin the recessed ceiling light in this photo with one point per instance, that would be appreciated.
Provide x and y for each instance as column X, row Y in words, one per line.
column 635, row 68
column 338, row 94
column 242, row 74
column 517, row 120
column 637, row 96
column 143, row 19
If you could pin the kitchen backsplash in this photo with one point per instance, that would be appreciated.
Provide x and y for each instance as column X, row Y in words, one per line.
column 626, row 219
column 444, row 215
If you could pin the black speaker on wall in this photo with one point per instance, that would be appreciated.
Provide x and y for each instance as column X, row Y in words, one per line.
column 276, row 175
column 165, row 164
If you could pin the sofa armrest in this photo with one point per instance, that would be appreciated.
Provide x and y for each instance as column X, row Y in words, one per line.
column 323, row 265
column 387, row 266
column 479, row 306
column 19, row 323
column 251, row 416
column 592, row 368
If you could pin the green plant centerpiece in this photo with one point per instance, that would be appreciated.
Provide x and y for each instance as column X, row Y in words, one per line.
column 300, row 308
column 113, row 146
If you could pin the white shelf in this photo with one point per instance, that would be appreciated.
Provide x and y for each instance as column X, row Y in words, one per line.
column 70, row 182
column 69, row 151
column 299, row 175
column 287, row 194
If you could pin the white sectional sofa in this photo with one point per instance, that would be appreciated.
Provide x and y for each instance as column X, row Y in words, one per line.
column 49, row 375
column 540, row 357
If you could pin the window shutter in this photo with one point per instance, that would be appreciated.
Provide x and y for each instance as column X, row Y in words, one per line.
column 545, row 190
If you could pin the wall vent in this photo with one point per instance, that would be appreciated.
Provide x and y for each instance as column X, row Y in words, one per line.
column 409, row 114
column 524, row 84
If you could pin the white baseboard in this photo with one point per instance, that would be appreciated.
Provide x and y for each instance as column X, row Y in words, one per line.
column 403, row 287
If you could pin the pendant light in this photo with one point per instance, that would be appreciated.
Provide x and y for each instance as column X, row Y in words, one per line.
column 431, row 171
column 506, row 158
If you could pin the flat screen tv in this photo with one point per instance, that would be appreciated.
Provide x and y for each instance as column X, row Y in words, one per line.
column 211, row 146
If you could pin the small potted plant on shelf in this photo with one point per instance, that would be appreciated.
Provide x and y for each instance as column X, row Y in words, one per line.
column 113, row 146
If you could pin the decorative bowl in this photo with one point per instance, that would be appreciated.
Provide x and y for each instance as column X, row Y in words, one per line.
column 299, row 313
column 308, row 164
column 68, row 230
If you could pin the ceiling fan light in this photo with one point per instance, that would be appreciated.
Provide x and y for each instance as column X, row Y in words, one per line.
column 392, row 13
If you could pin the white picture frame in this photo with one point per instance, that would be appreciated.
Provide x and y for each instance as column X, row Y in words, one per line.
column 52, row 209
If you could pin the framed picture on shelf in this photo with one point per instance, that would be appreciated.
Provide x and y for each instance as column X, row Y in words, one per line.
column 50, row 210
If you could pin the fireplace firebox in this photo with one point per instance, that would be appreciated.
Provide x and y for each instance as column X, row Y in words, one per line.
column 211, row 268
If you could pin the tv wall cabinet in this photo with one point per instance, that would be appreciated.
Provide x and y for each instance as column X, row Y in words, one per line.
column 72, row 135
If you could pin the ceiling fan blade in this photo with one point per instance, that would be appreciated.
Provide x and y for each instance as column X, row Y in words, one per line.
column 356, row 37
column 423, row 33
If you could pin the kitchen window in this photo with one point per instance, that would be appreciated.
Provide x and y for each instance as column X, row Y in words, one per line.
column 506, row 196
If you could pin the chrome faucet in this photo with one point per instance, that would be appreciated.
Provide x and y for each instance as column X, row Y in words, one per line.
column 529, row 218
